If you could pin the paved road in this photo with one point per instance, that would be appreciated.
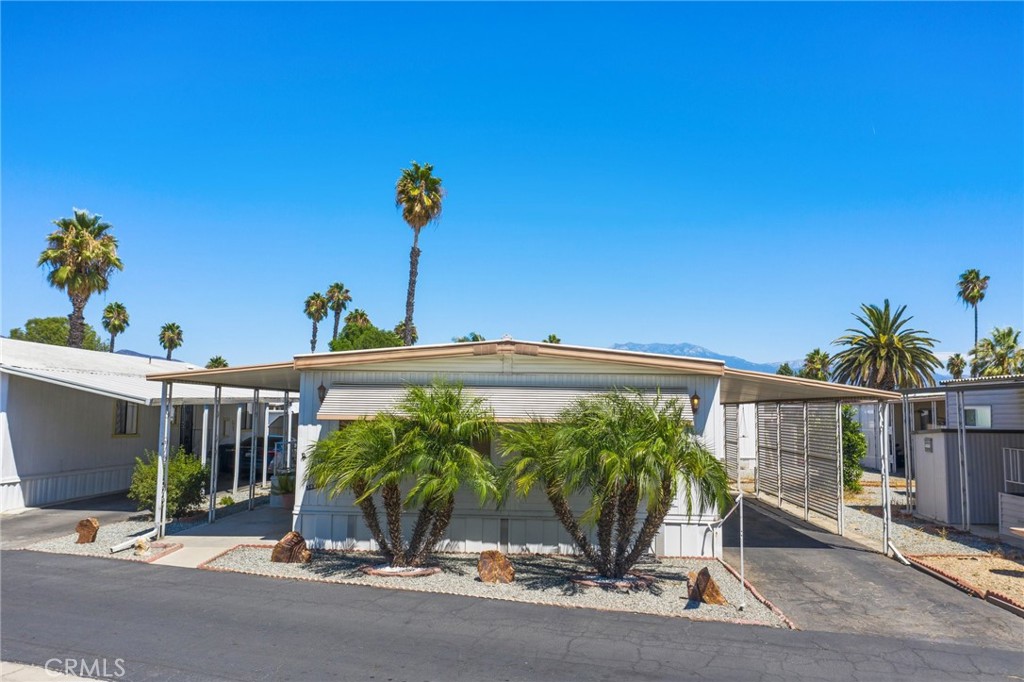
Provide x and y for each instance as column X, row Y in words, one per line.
column 825, row 582
column 33, row 525
column 182, row 624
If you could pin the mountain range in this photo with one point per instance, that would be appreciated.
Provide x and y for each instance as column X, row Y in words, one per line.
column 691, row 350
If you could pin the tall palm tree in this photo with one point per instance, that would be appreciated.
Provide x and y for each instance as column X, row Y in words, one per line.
column 115, row 320
column 358, row 318
column 171, row 337
column 551, row 338
column 884, row 353
column 216, row 362
column 81, row 255
column 625, row 453
column 956, row 365
column 400, row 330
column 338, row 298
column 316, row 310
column 999, row 354
column 970, row 289
column 425, row 448
column 419, row 194
column 816, row 365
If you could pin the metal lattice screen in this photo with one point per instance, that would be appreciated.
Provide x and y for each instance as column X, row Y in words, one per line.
column 768, row 448
column 732, row 442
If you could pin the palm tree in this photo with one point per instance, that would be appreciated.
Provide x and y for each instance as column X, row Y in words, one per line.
column 625, row 453
column 425, row 448
column 883, row 353
column 551, row 338
column 115, row 320
column 816, row 365
column 400, row 330
column 998, row 355
column 419, row 194
column 216, row 362
column 971, row 291
column 171, row 337
column 81, row 255
column 358, row 318
column 471, row 337
column 956, row 365
column 316, row 310
column 338, row 298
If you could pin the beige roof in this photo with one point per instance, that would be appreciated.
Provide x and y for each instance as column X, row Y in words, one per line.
column 737, row 386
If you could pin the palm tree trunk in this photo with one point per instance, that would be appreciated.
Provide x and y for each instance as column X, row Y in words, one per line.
column 170, row 349
column 605, row 525
column 975, row 325
column 655, row 517
column 572, row 526
column 393, row 510
column 410, row 297
column 419, row 531
column 76, row 321
column 628, row 501
column 337, row 320
column 442, row 518
column 312, row 341
column 369, row 510
column 112, row 337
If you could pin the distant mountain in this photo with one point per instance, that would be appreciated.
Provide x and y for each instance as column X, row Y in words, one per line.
column 694, row 351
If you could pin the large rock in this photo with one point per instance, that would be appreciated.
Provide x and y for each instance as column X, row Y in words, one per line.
column 494, row 567
column 291, row 550
column 703, row 588
column 87, row 529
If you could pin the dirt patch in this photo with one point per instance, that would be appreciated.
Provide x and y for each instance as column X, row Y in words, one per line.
column 1004, row 576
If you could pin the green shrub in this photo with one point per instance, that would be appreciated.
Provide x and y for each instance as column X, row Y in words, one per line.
column 186, row 483
column 855, row 446
column 284, row 484
column 226, row 501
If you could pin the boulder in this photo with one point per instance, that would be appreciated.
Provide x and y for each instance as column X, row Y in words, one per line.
column 142, row 546
column 87, row 529
column 494, row 567
column 291, row 549
column 703, row 588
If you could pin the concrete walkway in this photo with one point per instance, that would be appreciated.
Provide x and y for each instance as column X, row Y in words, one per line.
column 262, row 525
column 829, row 583
column 19, row 672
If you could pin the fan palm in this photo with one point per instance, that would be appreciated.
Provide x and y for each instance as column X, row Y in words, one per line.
column 971, row 290
column 425, row 447
column 816, row 365
column 316, row 310
column 338, row 298
column 884, row 353
column 216, row 362
column 115, row 320
column 419, row 194
column 400, row 330
column 171, row 337
column 999, row 354
column 358, row 318
column 625, row 452
column 81, row 255
column 956, row 365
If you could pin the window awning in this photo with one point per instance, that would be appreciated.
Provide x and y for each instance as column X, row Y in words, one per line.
column 509, row 403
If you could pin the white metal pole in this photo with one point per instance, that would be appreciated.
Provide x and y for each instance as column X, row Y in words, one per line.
column 238, row 445
column 883, row 445
column 743, row 578
column 961, row 437
column 205, row 440
column 158, row 500
column 266, row 439
column 215, row 454
column 288, row 419
column 840, row 467
column 807, row 471
column 253, row 448
column 778, row 452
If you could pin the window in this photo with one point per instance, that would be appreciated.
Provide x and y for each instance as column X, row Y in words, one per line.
column 126, row 418
column 978, row 417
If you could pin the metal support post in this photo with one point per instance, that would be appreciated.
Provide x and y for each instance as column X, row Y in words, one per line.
column 807, row 471
column 883, row 445
column 253, row 448
column 215, row 455
column 205, row 439
column 239, row 413
column 961, row 442
column 266, row 439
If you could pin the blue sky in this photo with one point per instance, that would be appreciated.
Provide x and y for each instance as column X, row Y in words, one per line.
column 738, row 176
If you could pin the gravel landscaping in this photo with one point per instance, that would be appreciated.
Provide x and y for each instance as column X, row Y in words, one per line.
column 107, row 536
column 540, row 579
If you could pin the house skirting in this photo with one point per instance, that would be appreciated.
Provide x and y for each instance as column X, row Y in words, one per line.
column 45, row 489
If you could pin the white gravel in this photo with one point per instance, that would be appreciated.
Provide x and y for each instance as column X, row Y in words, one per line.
column 540, row 579
column 109, row 534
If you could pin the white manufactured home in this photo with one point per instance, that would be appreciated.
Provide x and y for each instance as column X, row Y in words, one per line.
column 519, row 380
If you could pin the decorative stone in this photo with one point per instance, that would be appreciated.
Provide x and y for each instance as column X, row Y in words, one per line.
column 87, row 529
column 142, row 547
column 633, row 581
column 291, row 550
column 703, row 588
column 494, row 567
column 385, row 571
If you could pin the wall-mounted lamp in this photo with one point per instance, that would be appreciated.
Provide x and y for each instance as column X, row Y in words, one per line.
column 321, row 392
column 695, row 403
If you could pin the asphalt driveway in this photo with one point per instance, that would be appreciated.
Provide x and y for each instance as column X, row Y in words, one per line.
column 829, row 583
column 33, row 525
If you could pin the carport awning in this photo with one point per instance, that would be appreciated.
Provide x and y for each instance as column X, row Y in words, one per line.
column 509, row 403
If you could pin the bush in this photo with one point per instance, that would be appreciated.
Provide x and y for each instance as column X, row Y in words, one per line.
column 226, row 501
column 855, row 446
column 186, row 483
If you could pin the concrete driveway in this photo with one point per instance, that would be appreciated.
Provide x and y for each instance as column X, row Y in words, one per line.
column 34, row 525
column 828, row 583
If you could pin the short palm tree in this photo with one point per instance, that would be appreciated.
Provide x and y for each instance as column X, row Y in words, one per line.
column 419, row 194
column 425, row 447
column 400, row 330
column 471, row 337
column 970, row 289
column 551, row 338
column 171, row 337
column 115, row 320
column 216, row 362
column 81, row 255
column 338, row 298
column 956, row 365
column 999, row 354
column 625, row 453
column 358, row 318
column 816, row 365
column 883, row 353
column 316, row 310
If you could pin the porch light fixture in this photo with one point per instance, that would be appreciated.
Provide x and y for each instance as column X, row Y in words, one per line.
column 321, row 392
column 695, row 403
